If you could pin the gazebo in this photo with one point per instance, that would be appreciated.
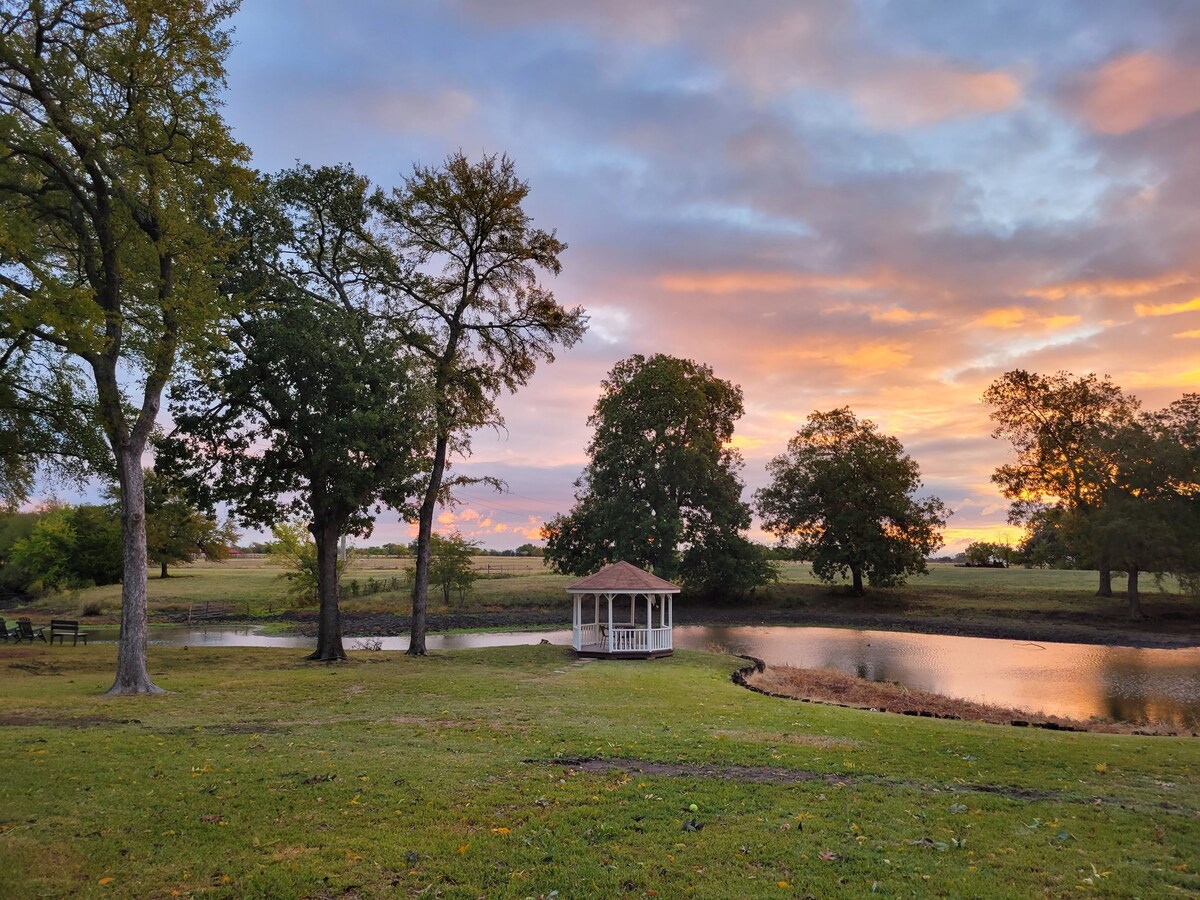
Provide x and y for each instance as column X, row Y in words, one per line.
column 631, row 613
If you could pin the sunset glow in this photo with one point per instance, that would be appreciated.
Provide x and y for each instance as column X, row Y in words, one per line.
column 884, row 206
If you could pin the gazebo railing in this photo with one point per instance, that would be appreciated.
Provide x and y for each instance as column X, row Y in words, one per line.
column 621, row 640
column 639, row 640
column 588, row 634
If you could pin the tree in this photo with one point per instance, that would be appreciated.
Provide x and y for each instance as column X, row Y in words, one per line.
column 114, row 162
column 1051, row 540
column 988, row 554
column 1147, row 521
column 176, row 530
column 1060, row 427
column 295, row 550
column 314, row 412
column 65, row 547
column 482, row 320
column 453, row 567
column 845, row 496
column 44, row 417
column 662, row 489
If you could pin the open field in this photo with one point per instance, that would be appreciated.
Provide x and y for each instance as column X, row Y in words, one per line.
column 1049, row 604
column 461, row 775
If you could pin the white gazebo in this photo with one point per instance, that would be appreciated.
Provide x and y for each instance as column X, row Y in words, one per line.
column 630, row 613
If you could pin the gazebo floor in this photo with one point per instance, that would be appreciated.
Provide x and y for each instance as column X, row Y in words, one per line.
column 601, row 651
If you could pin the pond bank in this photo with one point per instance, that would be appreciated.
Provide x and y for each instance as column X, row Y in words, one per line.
column 838, row 689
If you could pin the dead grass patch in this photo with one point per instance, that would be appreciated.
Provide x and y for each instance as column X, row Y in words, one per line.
column 838, row 689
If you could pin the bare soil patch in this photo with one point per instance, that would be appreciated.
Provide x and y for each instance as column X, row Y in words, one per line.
column 838, row 689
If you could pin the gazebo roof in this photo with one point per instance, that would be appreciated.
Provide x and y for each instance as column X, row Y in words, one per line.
column 622, row 578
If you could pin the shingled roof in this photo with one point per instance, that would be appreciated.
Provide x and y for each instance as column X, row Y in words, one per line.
column 622, row 577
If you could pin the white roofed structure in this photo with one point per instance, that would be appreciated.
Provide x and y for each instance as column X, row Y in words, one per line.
column 630, row 611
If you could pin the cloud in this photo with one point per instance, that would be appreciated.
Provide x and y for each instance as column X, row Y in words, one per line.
column 1136, row 90
column 921, row 94
column 1109, row 287
column 1167, row 309
column 436, row 112
column 1012, row 317
column 770, row 282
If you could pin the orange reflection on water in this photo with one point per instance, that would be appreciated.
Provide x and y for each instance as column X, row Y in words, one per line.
column 1079, row 681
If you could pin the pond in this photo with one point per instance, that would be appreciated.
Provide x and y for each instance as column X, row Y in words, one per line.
column 1075, row 680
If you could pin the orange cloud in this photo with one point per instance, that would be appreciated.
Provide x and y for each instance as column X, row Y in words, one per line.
column 899, row 315
column 875, row 357
column 925, row 94
column 1016, row 317
column 1194, row 333
column 1163, row 377
column 1136, row 90
column 1167, row 309
column 1108, row 287
column 750, row 281
column 761, row 282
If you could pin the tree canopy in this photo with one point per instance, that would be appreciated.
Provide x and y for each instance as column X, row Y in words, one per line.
column 1096, row 480
column 1061, row 428
column 662, row 489
column 481, row 320
column 844, row 495
column 114, row 167
column 314, row 411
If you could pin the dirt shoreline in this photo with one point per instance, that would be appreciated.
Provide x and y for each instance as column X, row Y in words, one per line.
column 1176, row 634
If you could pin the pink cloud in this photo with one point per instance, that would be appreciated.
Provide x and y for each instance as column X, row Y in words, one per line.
column 913, row 95
column 1136, row 90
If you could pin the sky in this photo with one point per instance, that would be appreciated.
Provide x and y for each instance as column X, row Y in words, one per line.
column 877, row 204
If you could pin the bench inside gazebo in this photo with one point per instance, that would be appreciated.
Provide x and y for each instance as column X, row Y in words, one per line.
column 629, row 611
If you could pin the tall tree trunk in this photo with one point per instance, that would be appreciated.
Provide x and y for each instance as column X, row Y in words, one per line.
column 1105, row 577
column 856, row 575
column 163, row 573
column 420, row 603
column 132, row 675
column 1135, row 597
column 329, row 623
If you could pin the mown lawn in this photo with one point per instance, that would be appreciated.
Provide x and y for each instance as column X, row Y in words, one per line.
column 265, row 776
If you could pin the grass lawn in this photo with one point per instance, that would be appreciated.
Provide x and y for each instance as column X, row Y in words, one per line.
column 265, row 776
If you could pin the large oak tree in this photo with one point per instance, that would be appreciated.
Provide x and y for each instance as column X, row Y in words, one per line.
column 315, row 410
column 114, row 165
column 845, row 496
column 662, row 489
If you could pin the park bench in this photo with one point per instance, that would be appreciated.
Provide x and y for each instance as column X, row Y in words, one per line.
column 211, row 609
column 60, row 628
column 27, row 631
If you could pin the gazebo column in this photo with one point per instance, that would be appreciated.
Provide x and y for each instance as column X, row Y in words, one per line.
column 610, row 622
column 576, row 622
column 649, row 621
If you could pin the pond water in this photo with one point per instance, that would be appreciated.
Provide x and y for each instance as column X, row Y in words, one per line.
column 1075, row 680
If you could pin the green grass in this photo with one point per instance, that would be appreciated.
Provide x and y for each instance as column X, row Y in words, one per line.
column 264, row 776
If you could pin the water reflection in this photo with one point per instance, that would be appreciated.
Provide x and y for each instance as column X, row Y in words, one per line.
column 1076, row 680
